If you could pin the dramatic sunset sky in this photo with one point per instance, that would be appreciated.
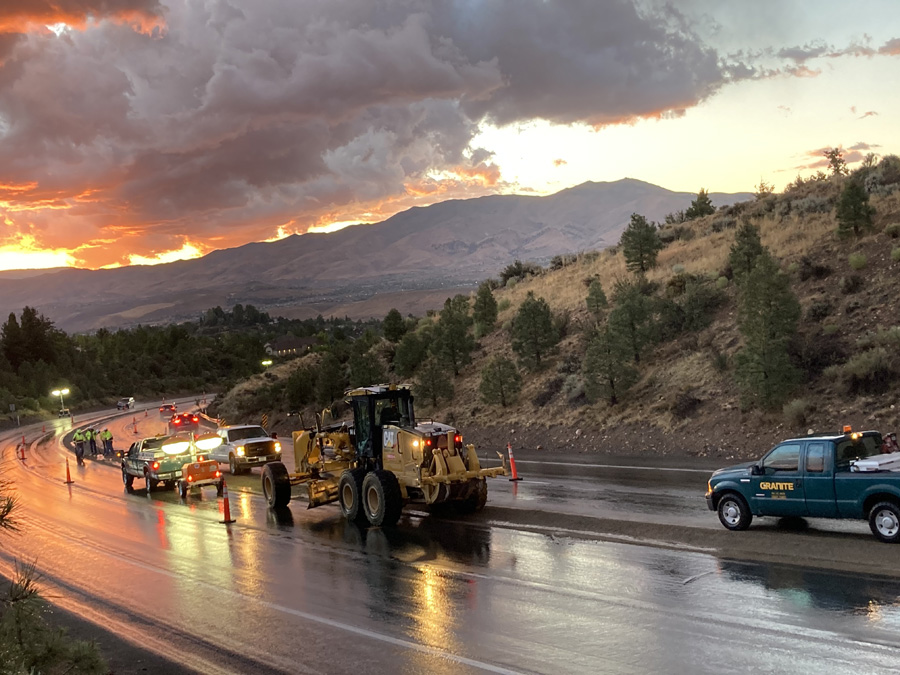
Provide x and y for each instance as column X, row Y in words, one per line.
column 141, row 131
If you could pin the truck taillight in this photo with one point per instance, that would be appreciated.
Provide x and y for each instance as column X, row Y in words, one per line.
column 218, row 474
column 155, row 465
column 457, row 438
column 428, row 441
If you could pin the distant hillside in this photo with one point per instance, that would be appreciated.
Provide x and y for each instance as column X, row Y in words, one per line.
column 446, row 245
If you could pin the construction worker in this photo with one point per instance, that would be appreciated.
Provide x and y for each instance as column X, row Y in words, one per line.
column 78, row 438
column 91, row 437
column 106, row 436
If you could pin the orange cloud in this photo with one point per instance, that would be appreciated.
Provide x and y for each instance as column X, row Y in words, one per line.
column 28, row 15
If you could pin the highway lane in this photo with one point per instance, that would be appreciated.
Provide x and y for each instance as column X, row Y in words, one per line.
column 303, row 591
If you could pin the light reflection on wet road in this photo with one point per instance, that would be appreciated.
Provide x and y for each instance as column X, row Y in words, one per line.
column 303, row 591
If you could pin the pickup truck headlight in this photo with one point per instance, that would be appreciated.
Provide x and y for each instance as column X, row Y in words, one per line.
column 278, row 447
column 240, row 450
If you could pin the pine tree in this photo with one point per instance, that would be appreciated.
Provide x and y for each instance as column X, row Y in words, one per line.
column 701, row 206
column 300, row 388
column 768, row 313
column 607, row 374
column 485, row 310
column 433, row 382
column 533, row 335
column 745, row 251
column 331, row 380
column 854, row 213
column 453, row 343
column 597, row 303
column 365, row 368
column 640, row 244
column 836, row 163
column 13, row 342
column 393, row 325
column 500, row 381
column 631, row 317
column 412, row 351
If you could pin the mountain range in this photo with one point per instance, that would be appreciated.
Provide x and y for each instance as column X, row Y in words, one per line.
column 416, row 258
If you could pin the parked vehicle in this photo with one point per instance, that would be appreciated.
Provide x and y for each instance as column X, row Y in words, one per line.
column 849, row 475
column 126, row 403
column 156, row 459
column 245, row 446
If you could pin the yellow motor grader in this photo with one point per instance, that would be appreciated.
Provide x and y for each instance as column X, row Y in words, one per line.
column 381, row 462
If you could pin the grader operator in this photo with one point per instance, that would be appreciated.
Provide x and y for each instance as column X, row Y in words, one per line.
column 381, row 462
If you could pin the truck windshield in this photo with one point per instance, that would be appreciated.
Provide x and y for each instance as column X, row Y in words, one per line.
column 860, row 448
column 248, row 432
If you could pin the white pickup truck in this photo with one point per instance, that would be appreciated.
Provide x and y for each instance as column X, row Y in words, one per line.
column 245, row 446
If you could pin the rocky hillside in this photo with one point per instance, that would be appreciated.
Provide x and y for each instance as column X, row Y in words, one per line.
column 686, row 400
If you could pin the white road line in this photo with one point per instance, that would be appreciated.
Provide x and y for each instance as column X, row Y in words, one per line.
column 612, row 466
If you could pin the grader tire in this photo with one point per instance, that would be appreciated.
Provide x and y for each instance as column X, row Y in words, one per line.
column 276, row 485
column 381, row 498
column 350, row 495
column 475, row 502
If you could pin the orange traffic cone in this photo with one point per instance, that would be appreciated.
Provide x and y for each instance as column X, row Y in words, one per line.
column 145, row 413
column 22, row 449
column 134, row 422
column 69, row 480
column 228, row 518
column 512, row 463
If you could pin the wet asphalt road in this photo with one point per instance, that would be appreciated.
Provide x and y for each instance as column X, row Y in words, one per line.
column 302, row 591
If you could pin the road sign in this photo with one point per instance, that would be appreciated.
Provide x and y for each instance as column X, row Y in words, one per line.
column 265, row 420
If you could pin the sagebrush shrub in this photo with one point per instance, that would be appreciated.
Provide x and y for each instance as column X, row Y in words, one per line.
column 819, row 310
column 858, row 261
column 870, row 372
column 796, row 413
column 851, row 284
column 892, row 230
column 895, row 255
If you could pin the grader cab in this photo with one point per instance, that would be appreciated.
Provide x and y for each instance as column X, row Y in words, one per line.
column 381, row 462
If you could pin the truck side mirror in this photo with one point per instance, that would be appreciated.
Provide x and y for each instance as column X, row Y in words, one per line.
column 756, row 470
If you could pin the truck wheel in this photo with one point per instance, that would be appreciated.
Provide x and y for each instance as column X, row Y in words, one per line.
column 381, row 498
column 350, row 494
column 151, row 484
column 276, row 485
column 127, row 479
column 232, row 466
column 734, row 512
column 884, row 519
column 475, row 502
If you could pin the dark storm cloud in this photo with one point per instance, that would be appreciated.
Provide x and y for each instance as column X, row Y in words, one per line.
column 247, row 116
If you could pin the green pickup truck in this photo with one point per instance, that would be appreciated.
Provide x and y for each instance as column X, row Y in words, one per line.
column 156, row 459
column 849, row 475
